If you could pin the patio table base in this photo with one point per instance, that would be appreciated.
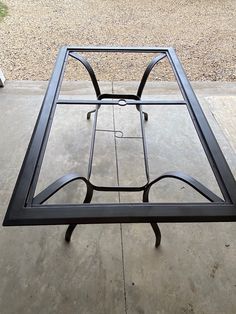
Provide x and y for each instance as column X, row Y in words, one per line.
column 26, row 208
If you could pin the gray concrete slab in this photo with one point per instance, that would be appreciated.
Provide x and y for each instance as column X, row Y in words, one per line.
column 224, row 110
column 39, row 272
column 189, row 273
column 113, row 268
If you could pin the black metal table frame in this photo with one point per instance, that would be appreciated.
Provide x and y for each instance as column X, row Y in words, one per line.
column 27, row 209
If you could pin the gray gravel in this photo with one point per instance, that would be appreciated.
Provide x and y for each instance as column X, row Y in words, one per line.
column 201, row 31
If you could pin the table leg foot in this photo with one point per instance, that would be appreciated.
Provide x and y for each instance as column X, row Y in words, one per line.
column 145, row 116
column 69, row 232
column 157, row 233
column 89, row 113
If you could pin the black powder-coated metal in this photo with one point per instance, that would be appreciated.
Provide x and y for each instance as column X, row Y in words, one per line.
column 27, row 209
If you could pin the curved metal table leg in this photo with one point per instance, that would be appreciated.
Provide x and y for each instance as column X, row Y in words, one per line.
column 157, row 232
column 72, row 227
column 69, row 232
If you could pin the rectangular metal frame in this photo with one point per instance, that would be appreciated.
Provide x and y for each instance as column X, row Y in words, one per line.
column 22, row 211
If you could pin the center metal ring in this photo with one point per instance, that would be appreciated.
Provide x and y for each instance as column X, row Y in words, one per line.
column 122, row 102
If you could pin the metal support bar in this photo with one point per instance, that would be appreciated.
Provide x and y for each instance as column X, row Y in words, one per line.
column 64, row 180
column 86, row 102
column 94, row 130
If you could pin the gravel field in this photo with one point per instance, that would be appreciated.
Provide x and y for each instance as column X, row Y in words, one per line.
column 201, row 31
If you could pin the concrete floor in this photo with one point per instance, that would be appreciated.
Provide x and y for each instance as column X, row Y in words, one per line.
column 115, row 268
